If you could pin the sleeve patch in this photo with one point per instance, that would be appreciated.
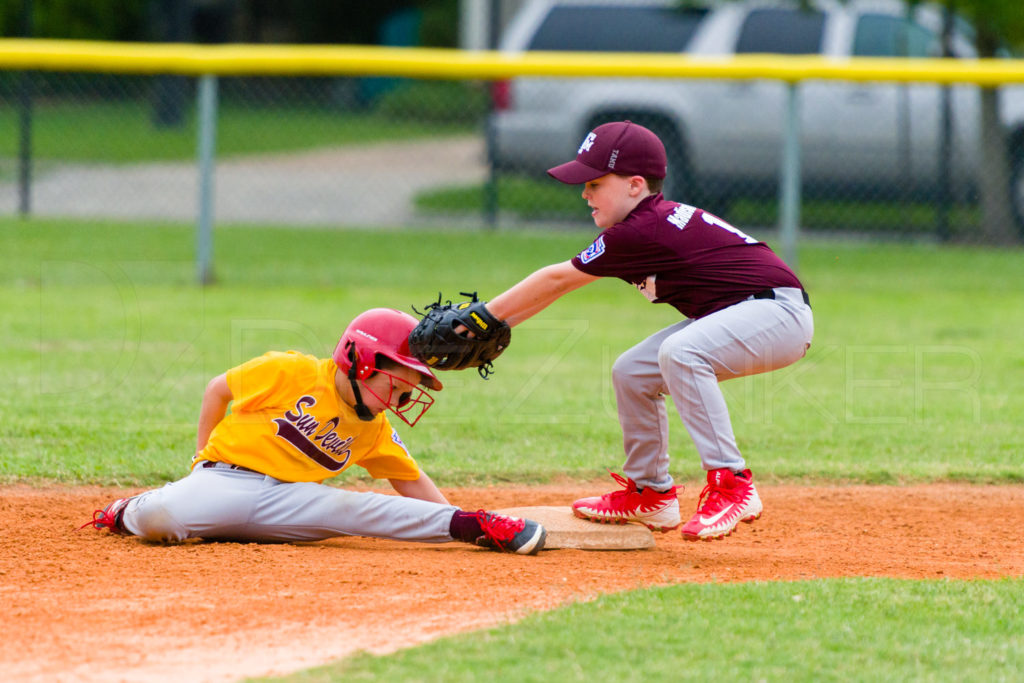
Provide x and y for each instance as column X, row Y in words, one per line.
column 593, row 251
column 398, row 440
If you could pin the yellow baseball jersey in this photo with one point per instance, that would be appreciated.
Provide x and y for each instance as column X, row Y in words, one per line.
column 288, row 421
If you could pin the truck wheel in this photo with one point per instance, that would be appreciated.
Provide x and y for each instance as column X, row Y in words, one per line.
column 679, row 180
column 680, row 185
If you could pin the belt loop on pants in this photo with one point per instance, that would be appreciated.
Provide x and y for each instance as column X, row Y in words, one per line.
column 208, row 464
column 770, row 294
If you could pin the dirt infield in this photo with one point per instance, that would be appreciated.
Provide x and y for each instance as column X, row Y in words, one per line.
column 89, row 606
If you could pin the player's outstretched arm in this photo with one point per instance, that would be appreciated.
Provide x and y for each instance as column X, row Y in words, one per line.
column 537, row 291
column 215, row 405
column 422, row 488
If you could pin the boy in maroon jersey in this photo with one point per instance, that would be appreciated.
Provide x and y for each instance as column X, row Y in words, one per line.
column 746, row 313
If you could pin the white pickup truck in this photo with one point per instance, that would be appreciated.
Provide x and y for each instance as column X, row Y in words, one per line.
column 724, row 138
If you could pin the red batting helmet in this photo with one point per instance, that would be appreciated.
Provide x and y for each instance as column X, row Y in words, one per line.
column 384, row 331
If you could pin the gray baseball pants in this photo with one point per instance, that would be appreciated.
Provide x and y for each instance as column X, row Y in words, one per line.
column 687, row 361
column 221, row 503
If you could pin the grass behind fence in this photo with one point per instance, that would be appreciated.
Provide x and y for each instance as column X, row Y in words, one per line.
column 125, row 132
column 541, row 198
column 913, row 374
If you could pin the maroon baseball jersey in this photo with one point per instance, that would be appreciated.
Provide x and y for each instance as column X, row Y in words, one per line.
column 683, row 256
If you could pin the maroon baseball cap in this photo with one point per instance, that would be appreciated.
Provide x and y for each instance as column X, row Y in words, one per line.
column 621, row 147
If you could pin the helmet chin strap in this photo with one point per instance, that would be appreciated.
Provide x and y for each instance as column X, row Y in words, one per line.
column 362, row 412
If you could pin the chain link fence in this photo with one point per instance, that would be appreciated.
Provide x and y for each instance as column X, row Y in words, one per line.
column 289, row 151
column 877, row 159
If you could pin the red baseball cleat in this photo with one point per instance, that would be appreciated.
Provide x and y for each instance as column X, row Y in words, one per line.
column 110, row 518
column 510, row 534
column 728, row 498
column 657, row 511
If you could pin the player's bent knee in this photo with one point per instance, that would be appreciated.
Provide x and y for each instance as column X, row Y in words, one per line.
column 674, row 356
column 630, row 364
column 154, row 522
column 620, row 371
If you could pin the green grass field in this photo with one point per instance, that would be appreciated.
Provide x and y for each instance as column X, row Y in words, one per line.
column 914, row 376
column 834, row 630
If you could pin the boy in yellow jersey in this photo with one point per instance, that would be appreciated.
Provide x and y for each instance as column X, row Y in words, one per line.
column 297, row 420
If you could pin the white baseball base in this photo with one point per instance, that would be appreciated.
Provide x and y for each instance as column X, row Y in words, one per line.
column 565, row 530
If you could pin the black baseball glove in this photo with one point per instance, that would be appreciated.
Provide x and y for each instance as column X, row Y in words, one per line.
column 458, row 336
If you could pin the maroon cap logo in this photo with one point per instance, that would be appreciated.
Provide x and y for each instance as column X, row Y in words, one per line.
column 621, row 147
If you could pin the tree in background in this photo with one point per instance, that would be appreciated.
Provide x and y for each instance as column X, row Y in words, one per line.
column 295, row 21
column 998, row 23
column 336, row 22
column 74, row 19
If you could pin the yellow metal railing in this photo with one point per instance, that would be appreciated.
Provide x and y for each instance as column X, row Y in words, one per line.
column 293, row 60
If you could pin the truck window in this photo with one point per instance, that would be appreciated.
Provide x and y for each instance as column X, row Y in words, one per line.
column 602, row 28
column 879, row 35
column 781, row 31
